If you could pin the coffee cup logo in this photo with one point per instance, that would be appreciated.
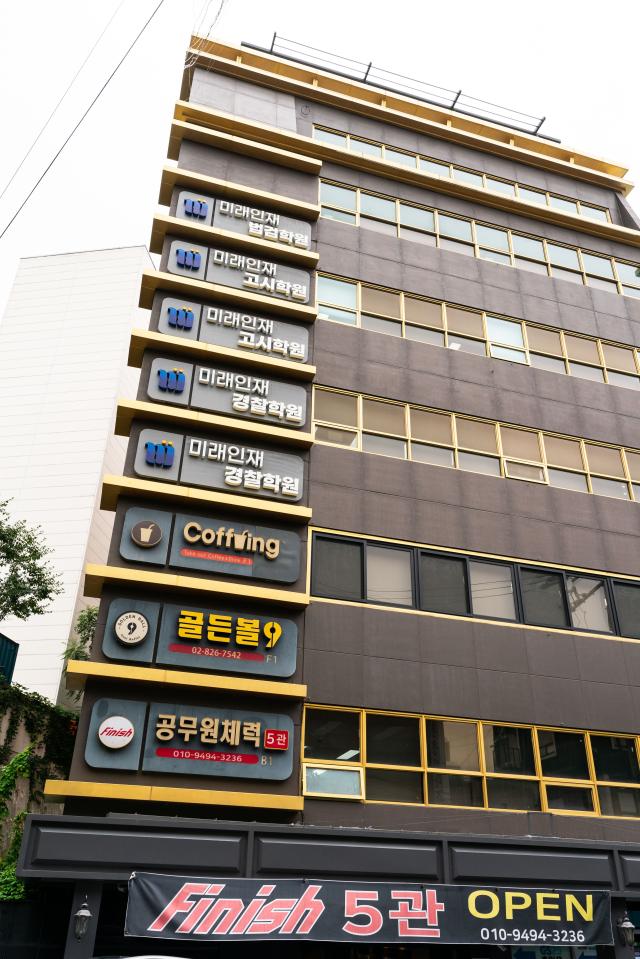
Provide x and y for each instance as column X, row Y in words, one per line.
column 131, row 628
column 116, row 732
column 146, row 534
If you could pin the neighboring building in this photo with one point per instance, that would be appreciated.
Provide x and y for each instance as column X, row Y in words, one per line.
column 382, row 627
column 63, row 350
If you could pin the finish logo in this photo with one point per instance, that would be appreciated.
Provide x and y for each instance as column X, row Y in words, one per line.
column 116, row 732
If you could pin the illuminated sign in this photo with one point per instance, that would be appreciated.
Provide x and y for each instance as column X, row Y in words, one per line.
column 221, row 389
column 193, row 740
column 205, row 638
column 217, row 464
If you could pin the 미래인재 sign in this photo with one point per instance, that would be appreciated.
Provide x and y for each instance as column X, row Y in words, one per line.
column 239, row 271
column 251, row 221
column 206, row 638
column 220, row 389
column 219, row 465
column 215, row 909
column 234, row 330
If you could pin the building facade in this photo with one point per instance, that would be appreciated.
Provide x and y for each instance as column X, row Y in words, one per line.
column 57, row 422
column 391, row 377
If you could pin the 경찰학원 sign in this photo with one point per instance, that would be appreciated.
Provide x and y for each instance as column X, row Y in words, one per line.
column 207, row 909
column 218, row 389
column 218, row 464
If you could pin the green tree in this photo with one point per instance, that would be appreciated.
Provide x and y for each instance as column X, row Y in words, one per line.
column 28, row 581
column 80, row 646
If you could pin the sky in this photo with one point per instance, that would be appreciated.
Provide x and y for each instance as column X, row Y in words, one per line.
column 568, row 60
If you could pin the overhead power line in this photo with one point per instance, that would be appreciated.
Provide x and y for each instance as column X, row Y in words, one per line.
column 62, row 98
column 82, row 118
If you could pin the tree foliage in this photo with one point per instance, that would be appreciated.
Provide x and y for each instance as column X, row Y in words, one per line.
column 27, row 580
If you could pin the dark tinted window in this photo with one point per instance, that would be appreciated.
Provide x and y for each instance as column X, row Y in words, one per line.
column 513, row 794
column 393, row 740
column 628, row 606
column 390, row 785
column 443, row 584
column 508, row 749
column 543, row 598
column 563, row 755
column 447, row 790
column 615, row 759
column 331, row 734
column 337, row 568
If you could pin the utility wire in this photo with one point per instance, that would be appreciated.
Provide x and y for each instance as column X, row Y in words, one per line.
column 201, row 40
column 59, row 103
column 84, row 115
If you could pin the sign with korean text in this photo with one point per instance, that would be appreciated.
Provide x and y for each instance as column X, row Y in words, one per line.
column 240, row 218
column 209, row 909
column 219, row 465
column 219, row 546
column 219, row 389
column 206, row 638
column 190, row 740
column 256, row 275
column 235, row 330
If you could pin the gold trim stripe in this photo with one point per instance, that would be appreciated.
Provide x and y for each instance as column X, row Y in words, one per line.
column 97, row 576
column 153, row 280
column 173, row 177
column 60, row 789
column 164, row 226
column 195, row 350
column 129, row 410
column 235, row 144
column 78, row 673
column 176, row 495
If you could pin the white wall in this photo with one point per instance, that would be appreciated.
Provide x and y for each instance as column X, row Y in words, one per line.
column 63, row 354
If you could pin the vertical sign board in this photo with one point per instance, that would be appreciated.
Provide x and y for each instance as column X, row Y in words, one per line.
column 234, row 329
column 220, row 389
column 218, row 546
column 219, row 465
column 199, row 637
column 189, row 740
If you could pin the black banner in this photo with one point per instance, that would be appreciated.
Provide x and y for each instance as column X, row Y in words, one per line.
column 201, row 910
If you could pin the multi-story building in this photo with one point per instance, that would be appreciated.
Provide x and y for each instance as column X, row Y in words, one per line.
column 391, row 377
column 63, row 349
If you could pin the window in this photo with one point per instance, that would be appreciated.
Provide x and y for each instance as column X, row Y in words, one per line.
column 627, row 597
column 332, row 734
column 337, row 568
column 443, row 584
column 543, row 598
column 437, row 581
column 588, row 603
column 468, row 762
column 472, row 177
column 389, row 575
column 563, row 755
column 452, row 745
column 508, row 750
column 492, row 590
column 333, row 407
